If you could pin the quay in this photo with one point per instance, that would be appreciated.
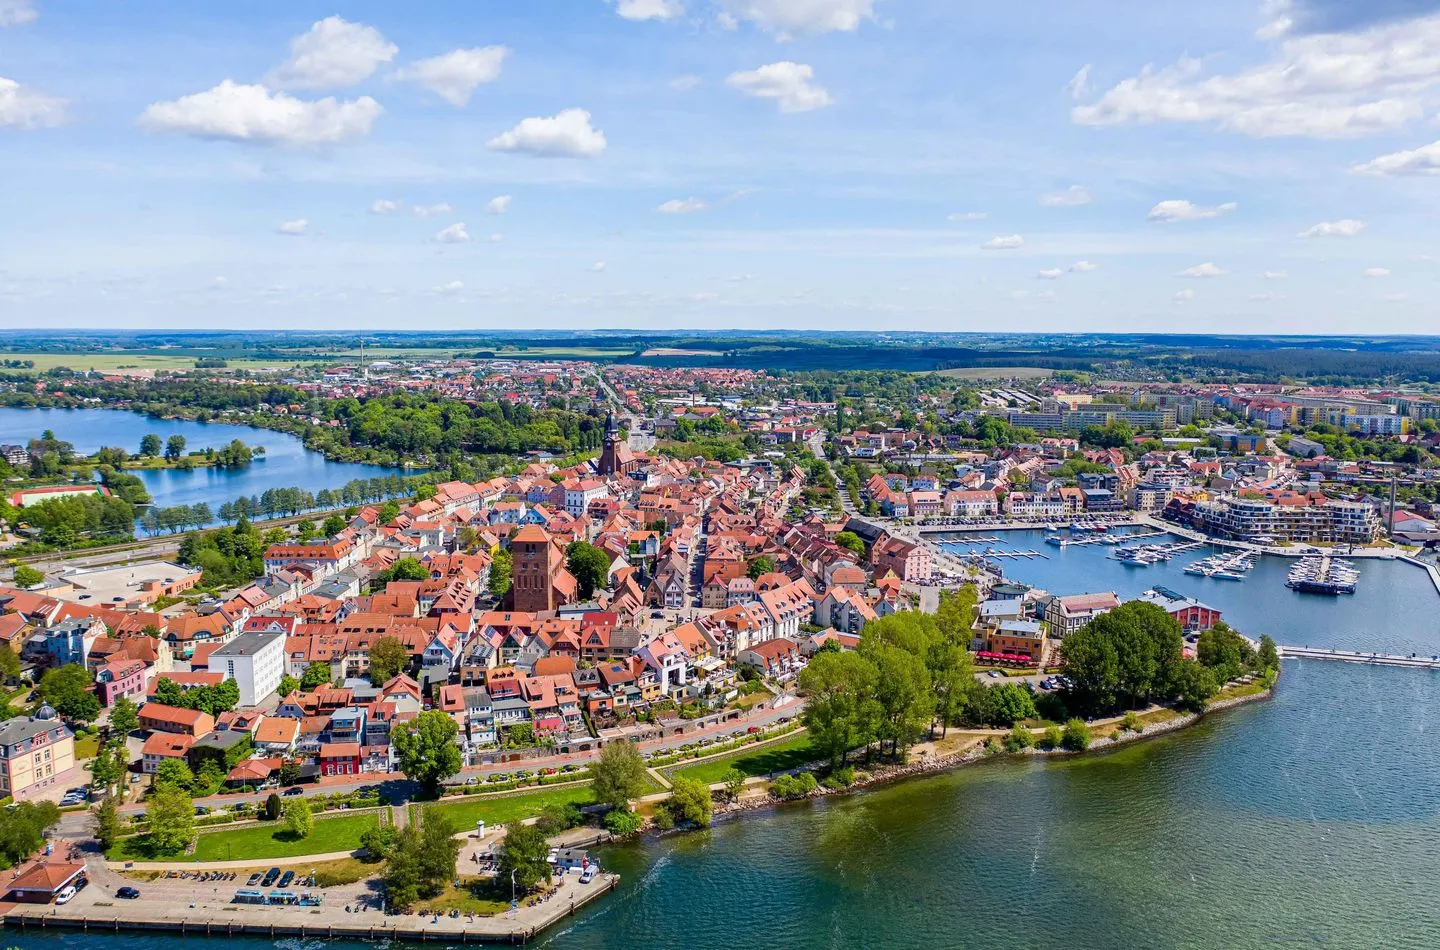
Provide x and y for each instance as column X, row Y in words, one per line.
column 1354, row 656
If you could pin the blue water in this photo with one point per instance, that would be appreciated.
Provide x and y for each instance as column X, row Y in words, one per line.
column 1395, row 609
column 286, row 462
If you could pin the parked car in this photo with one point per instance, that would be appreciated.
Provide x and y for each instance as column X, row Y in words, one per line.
column 64, row 896
column 270, row 877
column 286, row 878
column 127, row 893
column 588, row 875
column 294, row 790
column 254, row 879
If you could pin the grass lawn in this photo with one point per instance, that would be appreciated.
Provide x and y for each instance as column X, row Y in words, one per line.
column 482, row 897
column 779, row 756
column 498, row 809
column 87, row 748
column 271, row 840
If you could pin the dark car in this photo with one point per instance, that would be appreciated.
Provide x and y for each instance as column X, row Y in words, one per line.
column 127, row 893
column 294, row 790
column 286, row 878
column 269, row 877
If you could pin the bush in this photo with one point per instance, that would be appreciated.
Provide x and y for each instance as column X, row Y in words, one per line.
column 1051, row 706
column 1052, row 738
column 1131, row 723
column 664, row 820
column 794, row 786
column 1018, row 739
column 841, row 778
column 621, row 822
column 1077, row 736
column 556, row 817
column 378, row 841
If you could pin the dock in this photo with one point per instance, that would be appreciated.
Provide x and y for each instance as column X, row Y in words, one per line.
column 1414, row 660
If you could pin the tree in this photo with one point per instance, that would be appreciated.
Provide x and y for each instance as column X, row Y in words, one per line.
column 500, row 573
column 1007, row 704
column 67, row 688
column 9, row 665
column 315, row 676
column 290, row 772
column 734, row 780
column 388, row 658
column 124, row 717
column 759, row 566
column 271, row 809
column 618, row 775
column 902, row 690
column 556, row 817
column 1267, row 656
column 426, row 749
column 955, row 614
column 107, row 768
column 288, row 685
column 332, row 526
column 22, row 829
column 1076, row 736
column 523, row 857
column 388, row 512
column 1191, row 685
column 173, row 774
column 405, row 569
column 840, row 713
column 379, row 840
column 105, row 824
column 402, row 869
column 439, row 851
column 299, row 820
column 851, row 541
column 590, row 565
column 150, row 445
column 174, row 447
column 27, row 576
column 171, row 817
column 621, row 822
column 1224, row 652
column 690, row 802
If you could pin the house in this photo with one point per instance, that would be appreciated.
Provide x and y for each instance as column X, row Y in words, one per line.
column 1065, row 615
column 255, row 661
column 778, row 659
column 906, row 560
column 42, row 879
column 36, row 753
column 1018, row 638
column 1191, row 614
column 160, row 746
column 339, row 758
column 276, row 735
column 157, row 717
column 117, row 678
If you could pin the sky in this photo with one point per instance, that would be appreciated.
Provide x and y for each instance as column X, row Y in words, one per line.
column 1259, row 166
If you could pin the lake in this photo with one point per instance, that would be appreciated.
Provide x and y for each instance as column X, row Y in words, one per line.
column 286, row 462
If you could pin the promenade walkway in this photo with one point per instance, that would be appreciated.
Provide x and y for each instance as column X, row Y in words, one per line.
column 1416, row 661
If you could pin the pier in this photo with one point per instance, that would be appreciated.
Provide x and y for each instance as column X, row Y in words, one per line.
column 1414, row 660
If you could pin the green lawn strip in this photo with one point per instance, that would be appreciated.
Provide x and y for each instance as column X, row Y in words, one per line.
column 87, row 748
column 499, row 809
column 273, row 841
column 778, row 757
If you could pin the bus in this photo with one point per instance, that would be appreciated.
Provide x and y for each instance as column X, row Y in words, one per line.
column 282, row 897
column 247, row 896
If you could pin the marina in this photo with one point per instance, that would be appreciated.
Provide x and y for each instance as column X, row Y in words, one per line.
column 1323, row 575
column 1147, row 554
column 1225, row 567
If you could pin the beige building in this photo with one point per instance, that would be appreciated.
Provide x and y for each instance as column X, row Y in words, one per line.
column 36, row 754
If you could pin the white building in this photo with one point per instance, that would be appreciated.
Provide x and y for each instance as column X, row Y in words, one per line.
column 255, row 661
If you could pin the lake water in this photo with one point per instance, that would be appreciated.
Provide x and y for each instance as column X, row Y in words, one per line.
column 285, row 464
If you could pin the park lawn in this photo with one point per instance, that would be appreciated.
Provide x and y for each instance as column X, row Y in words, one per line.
column 777, row 757
column 271, row 840
column 498, row 809
column 482, row 897
column 87, row 748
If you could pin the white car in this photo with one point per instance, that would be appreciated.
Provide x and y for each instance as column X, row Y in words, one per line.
column 64, row 896
column 588, row 875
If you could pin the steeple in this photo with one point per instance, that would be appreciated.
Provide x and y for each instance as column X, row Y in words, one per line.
column 612, row 428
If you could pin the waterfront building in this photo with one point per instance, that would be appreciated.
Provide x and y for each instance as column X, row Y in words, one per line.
column 1289, row 516
column 1191, row 614
column 1065, row 615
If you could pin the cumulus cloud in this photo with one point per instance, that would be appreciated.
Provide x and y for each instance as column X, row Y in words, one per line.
column 1180, row 210
column 1084, row 267
column 788, row 17
column 568, row 134
column 1079, row 86
column 219, row 283
column 1424, row 160
column 454, row 234
column 650, row 9
column 498, row 205
column 596, row 267
column 386, row 206
column 791, row 85
column 1346, row 227
column 1005, row 242
column 253, row 113
column 454, row 287
column 430, row 211
column 456, row 75
column 1274, row 275
column 1183, row 296
column 1050, row 273
column 17, row 12
column 1071, row 197
column 294, row 228
column 333, row 54
column 1205, row 270
column 1377, row 272
column 967, row 216
column 1327, row 85
column 22, row 107
column 682, row 206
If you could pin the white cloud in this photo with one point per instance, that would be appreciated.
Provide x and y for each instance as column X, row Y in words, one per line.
column 454, row 287
column 386, row 206
column 1179, row 210
column 568, row 133
column 456, row 75
column 791, row 85
column 1324, row 85
column 1079, row 86
column 1346, row 227
column 1051, row 273
column 293, row 228
column 21, row 107
column 684, row 83
column 1005, row 242
column 1424, row 160
column 499, row 204
column 1084, row 267
column 454, row 234
column 255, row 114
column 431, row 211
column 1396, row 297
column 787, row 17
column 219, row 283
column 1205, row 270
column 1377, row 272
column 1274, row 275
column 1069, row 198
column 649, row 9
column 1183, row 296
column 17, row 12
column 1267, row 296
column 495, row 238
column 967, row 216
column 596, row 267
column 682, row 206
column 333, row 54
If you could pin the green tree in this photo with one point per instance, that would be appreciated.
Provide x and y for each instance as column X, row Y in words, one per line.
column 690, row 802
column 67, row 688
column 734, row 780
column 388, row 658
column 388, row 512
column 174, row 447
column 426, row 749
column 851, row 542
column 500, row 571
column 9, row 665
column 333, row 525
column 105, row 823
column 402, row 869
column 1191, row 685
column 523, row 857
column 150, row 445
column 27, row 576
column 902, row 690
column 290, row 772
column 1267, row 656
column 1076, row 736
column 272, row 807
column 405, row 569
column 590, row 565
column 171, row 816
column 173, row 774
column 379, row 840
column 556, row 817
column 439, row 851
column 288, row 685
column 299, row 820
column 22, row 829
column 1007, row 704
column 622, row 822
column 618, row 775
column 760, row 566
column 955, row 614
column 124, row 717
column 315, row 676
column 1224, row 652
column 840, row 713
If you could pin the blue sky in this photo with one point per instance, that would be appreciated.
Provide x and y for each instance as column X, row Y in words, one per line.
column 1237, row 166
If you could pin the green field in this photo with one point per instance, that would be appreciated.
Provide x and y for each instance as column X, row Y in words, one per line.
column 998, row 372
column 498, row 809
column 148, row 359
column 271, row 840
column 777, row 757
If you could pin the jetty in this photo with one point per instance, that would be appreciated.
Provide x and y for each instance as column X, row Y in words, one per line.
column 1414, row 660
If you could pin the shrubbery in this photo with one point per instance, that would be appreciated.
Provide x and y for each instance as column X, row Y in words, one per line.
column 794, row 786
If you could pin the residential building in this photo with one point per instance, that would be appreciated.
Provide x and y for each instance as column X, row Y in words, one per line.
column 255, row 661
column 36, row 753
